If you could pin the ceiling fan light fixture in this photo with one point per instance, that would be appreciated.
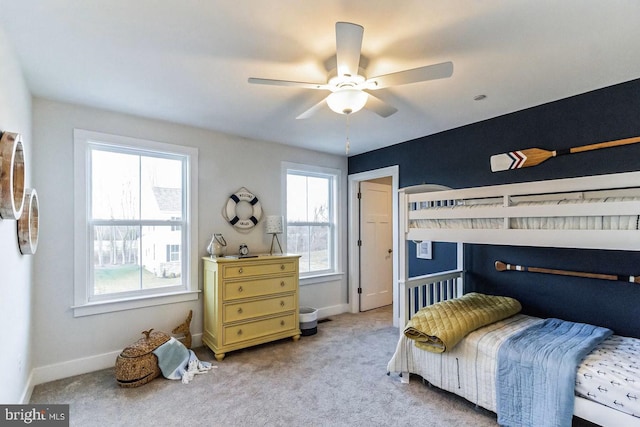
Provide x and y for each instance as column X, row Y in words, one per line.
column 347, row 81
column 347, row 101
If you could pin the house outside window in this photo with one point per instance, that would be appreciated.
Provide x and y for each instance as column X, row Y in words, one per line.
column 311, row 218
column 136, row 223
column 173, row 253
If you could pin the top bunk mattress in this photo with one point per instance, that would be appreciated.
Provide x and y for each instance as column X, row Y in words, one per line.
column 596, row 212
column 470, row 214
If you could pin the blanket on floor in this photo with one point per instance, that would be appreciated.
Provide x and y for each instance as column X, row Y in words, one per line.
column 536, row 373
column 441, row 326
column 177, row 362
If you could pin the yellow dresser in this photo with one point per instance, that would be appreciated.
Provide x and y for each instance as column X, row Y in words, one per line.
column 249, row 301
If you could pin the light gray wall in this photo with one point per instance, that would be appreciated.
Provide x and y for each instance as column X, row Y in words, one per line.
column 65, row 345
column 16, row 283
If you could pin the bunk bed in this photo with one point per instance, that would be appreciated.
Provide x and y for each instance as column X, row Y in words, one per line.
column 595, row 212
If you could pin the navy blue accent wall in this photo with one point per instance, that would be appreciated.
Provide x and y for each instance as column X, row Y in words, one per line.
column 460, row 158
column 613, row 304
column 444, row 257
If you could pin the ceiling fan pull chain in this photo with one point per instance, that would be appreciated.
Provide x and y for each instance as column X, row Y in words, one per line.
column 347, row 147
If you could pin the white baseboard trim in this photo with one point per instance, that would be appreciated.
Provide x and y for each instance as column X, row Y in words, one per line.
column 57, row 371
column 333, row 310
column 26, row 394
column 70, row 368
column 83, row 365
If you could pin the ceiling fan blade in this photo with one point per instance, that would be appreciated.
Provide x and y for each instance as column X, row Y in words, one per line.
column 379, row 107
column 348, row 47
column 420, row 74
column 272, row 82
column 313, row 110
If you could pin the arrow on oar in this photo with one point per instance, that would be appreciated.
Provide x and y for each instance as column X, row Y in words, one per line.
column 535, row 156
column 501, row 266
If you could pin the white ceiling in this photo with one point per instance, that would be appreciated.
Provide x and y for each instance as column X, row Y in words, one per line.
column 188, row 61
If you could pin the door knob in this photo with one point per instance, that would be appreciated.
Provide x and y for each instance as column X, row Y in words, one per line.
column 389, row 250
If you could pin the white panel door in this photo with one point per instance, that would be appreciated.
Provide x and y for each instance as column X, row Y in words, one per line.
column 376, row 236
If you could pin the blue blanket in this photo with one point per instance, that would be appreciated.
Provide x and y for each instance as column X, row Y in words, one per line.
column 177, row 362
column 537, row 371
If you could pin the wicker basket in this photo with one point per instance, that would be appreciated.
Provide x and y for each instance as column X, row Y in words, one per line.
column 137, row 365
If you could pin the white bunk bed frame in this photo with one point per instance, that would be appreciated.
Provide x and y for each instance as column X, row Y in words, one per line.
column 417, row 292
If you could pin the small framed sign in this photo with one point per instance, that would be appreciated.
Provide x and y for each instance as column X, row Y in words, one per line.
column 423, row 250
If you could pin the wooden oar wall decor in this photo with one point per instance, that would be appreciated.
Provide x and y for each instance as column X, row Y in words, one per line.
column 501, row 266
column 534, row 156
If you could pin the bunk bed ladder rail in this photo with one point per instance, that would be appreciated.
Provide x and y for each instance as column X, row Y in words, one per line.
column 423, row 291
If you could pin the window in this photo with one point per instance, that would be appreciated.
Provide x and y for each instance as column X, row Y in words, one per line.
column 135, row 223
column 311, row 195
column 173, row 253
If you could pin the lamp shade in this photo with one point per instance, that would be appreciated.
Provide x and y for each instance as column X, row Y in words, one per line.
column 274, row 224
column 347, row 101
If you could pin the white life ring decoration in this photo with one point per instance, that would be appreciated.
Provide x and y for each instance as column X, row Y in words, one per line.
column 234, row 211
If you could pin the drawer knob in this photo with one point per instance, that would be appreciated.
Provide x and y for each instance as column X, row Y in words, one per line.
column 240, row 289
column 281, row 266
column 282, row 323
column 240, row 270
column 281, row 303
column 240, row 310
column 239, row 331
column 282, row 283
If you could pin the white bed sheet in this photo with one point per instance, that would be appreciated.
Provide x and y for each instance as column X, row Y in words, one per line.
column 610, row 375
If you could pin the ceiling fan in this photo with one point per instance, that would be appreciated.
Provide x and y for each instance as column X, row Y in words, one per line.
column 349, row 87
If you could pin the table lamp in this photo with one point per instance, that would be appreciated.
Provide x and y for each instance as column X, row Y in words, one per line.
column 274, row 226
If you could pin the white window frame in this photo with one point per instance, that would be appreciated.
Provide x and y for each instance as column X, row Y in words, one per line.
column 83, row 305
column 336, row 227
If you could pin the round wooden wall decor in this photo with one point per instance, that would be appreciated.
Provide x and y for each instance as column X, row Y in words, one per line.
column 11, row 175
column 28, row 224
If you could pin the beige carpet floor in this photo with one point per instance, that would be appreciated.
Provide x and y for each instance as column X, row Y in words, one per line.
column 336, row 377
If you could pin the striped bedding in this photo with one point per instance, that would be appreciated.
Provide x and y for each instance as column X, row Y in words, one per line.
column 469, row 369
column 610, row 222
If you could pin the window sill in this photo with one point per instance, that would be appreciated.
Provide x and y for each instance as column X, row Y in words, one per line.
column 313, row 280
column 101, row 307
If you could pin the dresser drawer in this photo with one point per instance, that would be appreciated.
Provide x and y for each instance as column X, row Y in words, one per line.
column 260, row 328
column 259, row 287
column 249, row 309
column 258, row 269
